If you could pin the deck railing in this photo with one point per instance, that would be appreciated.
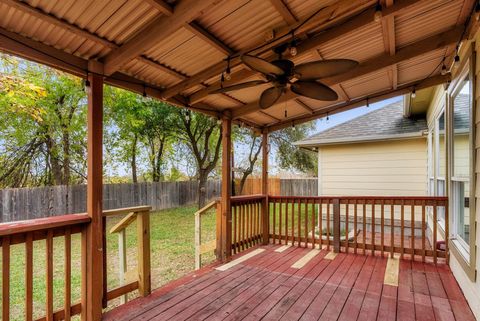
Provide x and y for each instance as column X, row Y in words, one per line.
column 201, row 247
column 247, row 221
column 45, row 229
column 403, row 225
column 66, row 226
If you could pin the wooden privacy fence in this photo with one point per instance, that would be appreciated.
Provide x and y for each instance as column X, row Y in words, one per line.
column 404, row 225
column 65, row 226
column 30, row 203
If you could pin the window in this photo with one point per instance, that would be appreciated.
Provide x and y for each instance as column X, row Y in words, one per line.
column 440, row 163
column 461, row 163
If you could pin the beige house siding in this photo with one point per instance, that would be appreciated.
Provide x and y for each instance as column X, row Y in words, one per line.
column 374, row 168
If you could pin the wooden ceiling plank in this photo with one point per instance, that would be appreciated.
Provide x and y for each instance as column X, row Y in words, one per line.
column 284, row 11
column 184, row 12
column 269, row 116
column 415, row 49
column 404, row 89
column 324, row 19
column 161, row 6
column 304, row 106
column 44, row 16
column 208, row 37
column 303, row 48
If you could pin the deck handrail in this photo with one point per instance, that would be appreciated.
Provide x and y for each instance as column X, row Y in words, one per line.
column 200, row 248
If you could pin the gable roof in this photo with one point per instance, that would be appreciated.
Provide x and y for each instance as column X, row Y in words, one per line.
column 382, row 124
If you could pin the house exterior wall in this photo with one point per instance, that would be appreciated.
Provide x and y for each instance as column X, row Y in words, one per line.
column 388, row 168
column 465, row 272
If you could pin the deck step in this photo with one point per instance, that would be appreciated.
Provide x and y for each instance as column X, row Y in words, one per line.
column 241, row 259
column 305, row 259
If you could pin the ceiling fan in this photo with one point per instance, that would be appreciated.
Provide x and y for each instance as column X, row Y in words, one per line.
column 283, row 74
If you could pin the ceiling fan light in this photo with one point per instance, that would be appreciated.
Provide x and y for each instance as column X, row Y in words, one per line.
column 293, row 51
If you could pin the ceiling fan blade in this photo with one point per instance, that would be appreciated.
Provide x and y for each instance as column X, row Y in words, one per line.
column 270, row 96
column 242, row 85
column 261, row 65
column 314, row 90
column 324, row 68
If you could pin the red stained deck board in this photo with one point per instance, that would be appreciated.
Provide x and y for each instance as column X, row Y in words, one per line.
column 350, row 287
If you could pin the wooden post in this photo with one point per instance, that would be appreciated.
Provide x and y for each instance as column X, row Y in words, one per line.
column 198, row 241
column 218, row 236
column 93, row 274
column 336, row 225
column 226, row 188
column 143, row 246
column 122, row 261
column 265, row 207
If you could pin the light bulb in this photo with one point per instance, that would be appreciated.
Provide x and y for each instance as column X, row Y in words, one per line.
column 414, row 94
column 88, row 89
column 378, row 13
column 293, row 51
column 444, row 70
column 228, row 74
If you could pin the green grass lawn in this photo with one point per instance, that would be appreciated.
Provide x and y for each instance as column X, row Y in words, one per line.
column 172, row 256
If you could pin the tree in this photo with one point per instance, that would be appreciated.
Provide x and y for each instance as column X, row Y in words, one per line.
column 42, row 125
column 290, row 156
column 253, row 143
column 203, row 137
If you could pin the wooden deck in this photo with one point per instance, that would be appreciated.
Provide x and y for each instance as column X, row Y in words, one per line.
column 267, row 287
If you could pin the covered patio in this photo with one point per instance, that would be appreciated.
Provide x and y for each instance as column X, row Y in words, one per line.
column 379, row 255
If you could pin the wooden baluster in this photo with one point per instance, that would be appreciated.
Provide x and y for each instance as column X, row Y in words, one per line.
column 29, row 277
column 412, row 224
column 299, row 233
column 242, row 224
column 286, row 221
column 392, row 229
column 6, row 278
column 68, row 274
column 234, row 229
column 255, row 220
column 328, row 224
column 434, row 246
column 249, row 222
column 49, row 276
column 364, row 225
column 423, row 231
column 347, row 206
column 373, row 227
column 305, row 232
column 313, row 224
column 104, row 262
column 198, row 246
column 355, row 228
column 293, row 221
column 382, row 225
column 336, row 225
column 280, row 213
column 402, row 228
column 274, row 221
column 320, row 222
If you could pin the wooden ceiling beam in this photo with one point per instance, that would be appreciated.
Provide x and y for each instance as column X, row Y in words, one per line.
column 284, row 11
column 304, row 106
column 184, row 12
column 413, row 50
column 161, row 6
column 209, row 38
column 331, row 15
column 24, row 7
column 376, row 97
column 304, row 48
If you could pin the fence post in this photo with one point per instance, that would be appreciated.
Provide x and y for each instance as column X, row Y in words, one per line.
column 143, row 245
column 336, row 225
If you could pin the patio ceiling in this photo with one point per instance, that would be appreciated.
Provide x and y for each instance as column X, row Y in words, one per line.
column 177, row 50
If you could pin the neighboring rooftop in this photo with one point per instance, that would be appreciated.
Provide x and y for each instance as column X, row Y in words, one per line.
column 382, row 124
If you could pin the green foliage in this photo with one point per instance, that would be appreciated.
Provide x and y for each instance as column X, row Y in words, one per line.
column 42, row 125
column 290, row 156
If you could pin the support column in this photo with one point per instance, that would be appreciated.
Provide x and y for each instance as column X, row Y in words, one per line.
column 265, row 207
column 93, row 268
column 226, row 188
